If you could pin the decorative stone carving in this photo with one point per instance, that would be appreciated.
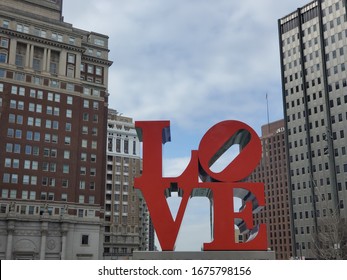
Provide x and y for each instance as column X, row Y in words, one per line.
column 51, row 244
column 25, row 245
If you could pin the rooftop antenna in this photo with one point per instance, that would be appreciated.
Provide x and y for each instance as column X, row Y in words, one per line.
column 267, row 111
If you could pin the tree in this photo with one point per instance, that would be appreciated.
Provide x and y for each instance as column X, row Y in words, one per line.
column 330, row 239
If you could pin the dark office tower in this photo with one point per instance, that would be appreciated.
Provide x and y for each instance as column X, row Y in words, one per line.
column 53, row 115
column 313, row 49
column 272, row 171
column 151, row 237
column 126, row 214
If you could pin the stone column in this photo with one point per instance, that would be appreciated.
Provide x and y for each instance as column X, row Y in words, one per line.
column 44, row 230
column 64, row 230
column 10, row 230
column 27, row 56
column 12, row 54
column 31, row 56
column 62, row 63
column 45, row 67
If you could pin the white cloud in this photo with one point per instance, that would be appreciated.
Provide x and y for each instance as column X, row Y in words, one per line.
column 192, row 60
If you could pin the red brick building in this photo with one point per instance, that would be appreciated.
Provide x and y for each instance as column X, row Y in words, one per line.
column 53, row 115
column 272, row 171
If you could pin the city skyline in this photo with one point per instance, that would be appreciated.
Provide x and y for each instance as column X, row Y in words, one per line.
column 193, row 63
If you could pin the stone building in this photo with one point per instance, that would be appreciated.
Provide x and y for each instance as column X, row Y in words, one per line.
column 126, row 215
column 53, row 115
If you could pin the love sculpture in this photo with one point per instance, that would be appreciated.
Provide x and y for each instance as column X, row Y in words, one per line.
column 222, row 187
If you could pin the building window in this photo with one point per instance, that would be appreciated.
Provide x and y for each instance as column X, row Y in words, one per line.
column 6, row 178
column 84, row 143
column 20, row 54
column 71, row 58
column 54, row 63
column 126, row 146
column 57, row 37
column 72, row 40
column 86, row 91
column 83, row 170
column 91, row 199
column 85, row 103
column 66, row 154
column 3, row 57
column 69, row 100
column 90, row 69
column 23, row 28
column 27, row 164
column 63, row 197
column 16, row 148
column 67, row 126
column 70, row 87
column 84, row 129
column 32, row 195
column 24, row 194
column 96, row 92
column 10, row 132
column 54, row 83
column 92, row 171
column 66, row 168
column 4, row 43
column 43, row 196
column 13, row 194
column 70, row 72
column 98, row 70
column 5, row 23
column 134, row 148
column 83, row 156
column 82, row 185
column 37, row 59
column 8, row 162
column 69, row 113
column 52, row 182
column 99, row 42
column 50, row 196
column 57, row 97
column 118, row 142
column 85, row 239
column 93, row 158
column 65, row 183
column 96, row 105
column 14, row 179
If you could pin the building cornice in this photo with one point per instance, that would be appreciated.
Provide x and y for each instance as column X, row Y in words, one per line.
column 41, row 40
column 97, row 60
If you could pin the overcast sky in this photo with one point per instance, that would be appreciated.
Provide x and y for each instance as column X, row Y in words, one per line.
column 193, row 62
